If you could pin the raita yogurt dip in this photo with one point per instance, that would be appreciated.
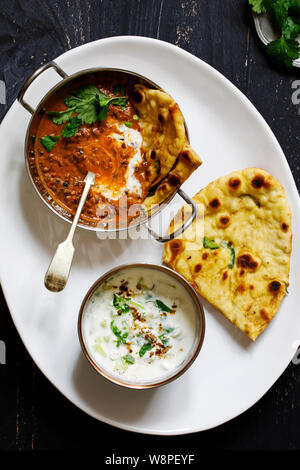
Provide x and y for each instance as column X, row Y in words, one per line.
column 140, row 324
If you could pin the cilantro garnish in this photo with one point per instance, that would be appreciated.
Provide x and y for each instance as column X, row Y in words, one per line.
column 121, row 338
column 164, row 339
column 232, row 253
column 257, row 6
column 48, row 141
column 146, row 347
column 162, row 306
column 211, row 244
column 72, row 127
column 285, row 15
column 290, row 29
column 129, row 359
column 169, row 330
column 85, row 105
column 283, row 51
column 120, row 304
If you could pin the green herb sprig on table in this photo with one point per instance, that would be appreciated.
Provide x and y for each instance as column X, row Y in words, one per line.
column 86, row 105
column 285, row 15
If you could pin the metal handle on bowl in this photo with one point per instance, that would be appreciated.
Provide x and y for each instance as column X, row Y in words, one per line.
column 181, row 229
column 33, row 77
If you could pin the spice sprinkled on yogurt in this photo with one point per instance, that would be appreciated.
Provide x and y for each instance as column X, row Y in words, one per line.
column 139, row 324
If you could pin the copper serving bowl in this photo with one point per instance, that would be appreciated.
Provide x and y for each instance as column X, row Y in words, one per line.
column 31, row 162
column 191, row 356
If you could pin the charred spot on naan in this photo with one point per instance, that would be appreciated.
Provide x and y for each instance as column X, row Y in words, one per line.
column 234, row 183
column 215, row 203
column 274, row 287
column 261, row 181
column 248, row 261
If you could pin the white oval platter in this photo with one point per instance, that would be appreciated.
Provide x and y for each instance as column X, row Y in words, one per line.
column 231, row 373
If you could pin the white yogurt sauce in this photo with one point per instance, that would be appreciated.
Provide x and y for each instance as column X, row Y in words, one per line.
column 140, row 324
column 133, row 138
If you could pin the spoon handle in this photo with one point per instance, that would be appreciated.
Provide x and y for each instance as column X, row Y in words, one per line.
column 58, row 272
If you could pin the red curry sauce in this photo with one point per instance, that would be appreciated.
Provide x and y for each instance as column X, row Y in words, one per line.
column 63, row 169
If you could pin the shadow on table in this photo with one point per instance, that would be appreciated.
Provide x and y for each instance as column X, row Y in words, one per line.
column 109, row 400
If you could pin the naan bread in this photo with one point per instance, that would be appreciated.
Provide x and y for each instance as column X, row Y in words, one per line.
column 237, row 252
column 165, row 145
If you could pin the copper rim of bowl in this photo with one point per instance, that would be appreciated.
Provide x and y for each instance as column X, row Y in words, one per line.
column 199, row 310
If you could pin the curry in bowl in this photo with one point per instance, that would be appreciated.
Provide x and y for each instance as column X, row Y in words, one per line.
column 131, row 136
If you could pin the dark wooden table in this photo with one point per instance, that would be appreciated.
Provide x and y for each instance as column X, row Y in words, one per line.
column 33, row 414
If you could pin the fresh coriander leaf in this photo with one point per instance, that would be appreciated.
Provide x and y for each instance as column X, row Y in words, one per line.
column 164, row 339
column 211, row 244
column 146, row 347
column 103, row 100
column 257, row 6
column 283, row 51
column 103, row 113
column 162, row 306
column 232, row 253
column 279, row 11
column 118, row 333
column 118, row 90
column 72, row 101
column 87, row 92
column 122, row 101
column 169, row 330
column 60, row 117
column 48, row 141
column 72, row 127
column 290, row 29
column 128, row 124
column 120, row 304
column 87, row 113
column 129, row 359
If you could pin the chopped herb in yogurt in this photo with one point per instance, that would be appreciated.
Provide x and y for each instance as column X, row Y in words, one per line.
column 139, row 325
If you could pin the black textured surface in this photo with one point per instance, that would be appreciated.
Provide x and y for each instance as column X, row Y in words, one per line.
column 33, row 414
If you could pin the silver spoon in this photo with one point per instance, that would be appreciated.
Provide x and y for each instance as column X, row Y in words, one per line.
column 58, row 272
